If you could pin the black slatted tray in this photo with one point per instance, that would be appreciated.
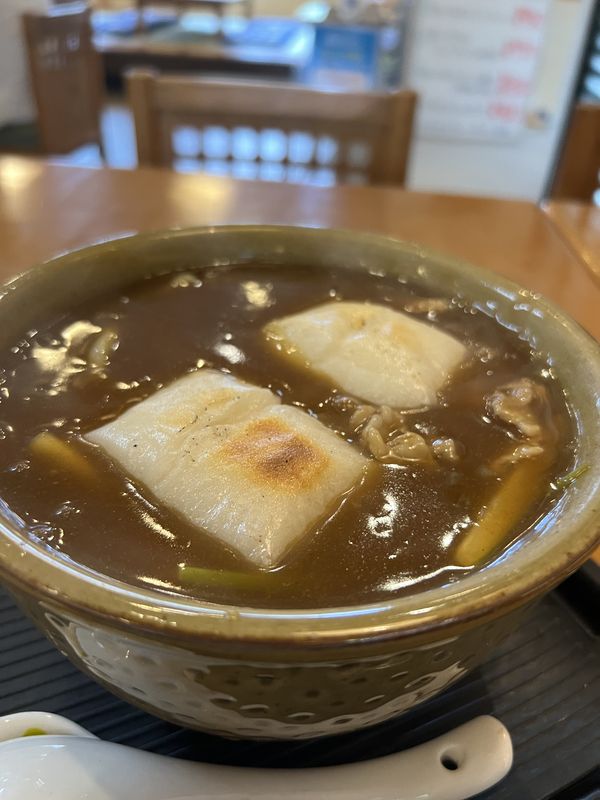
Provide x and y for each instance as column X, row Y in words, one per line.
column 543, row 683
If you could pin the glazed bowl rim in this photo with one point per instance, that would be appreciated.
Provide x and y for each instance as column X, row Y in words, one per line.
column 509, row 583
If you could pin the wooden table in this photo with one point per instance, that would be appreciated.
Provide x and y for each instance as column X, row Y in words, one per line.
column 213, row 54
column 47, row 209
column 579, row 224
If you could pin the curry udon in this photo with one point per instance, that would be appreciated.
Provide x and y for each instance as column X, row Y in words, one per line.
column 408, row 494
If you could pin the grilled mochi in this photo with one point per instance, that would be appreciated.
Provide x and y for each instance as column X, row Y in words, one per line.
column 235, row 461
column 370, row 351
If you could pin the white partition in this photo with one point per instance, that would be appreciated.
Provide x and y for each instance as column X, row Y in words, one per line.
column 496, row 78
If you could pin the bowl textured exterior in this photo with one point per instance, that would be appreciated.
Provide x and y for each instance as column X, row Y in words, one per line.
column 247, row 697
column 255, row 673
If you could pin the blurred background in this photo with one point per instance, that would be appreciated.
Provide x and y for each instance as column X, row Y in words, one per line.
column 507, row 91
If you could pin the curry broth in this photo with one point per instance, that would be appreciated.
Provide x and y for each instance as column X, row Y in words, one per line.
column 396, row 532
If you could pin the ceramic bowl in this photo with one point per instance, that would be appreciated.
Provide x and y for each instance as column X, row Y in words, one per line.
column 257, row 673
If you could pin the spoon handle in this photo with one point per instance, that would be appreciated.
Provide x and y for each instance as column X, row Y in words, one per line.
column 454, row 766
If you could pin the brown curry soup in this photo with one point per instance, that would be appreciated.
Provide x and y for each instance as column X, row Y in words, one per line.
column 398, row 532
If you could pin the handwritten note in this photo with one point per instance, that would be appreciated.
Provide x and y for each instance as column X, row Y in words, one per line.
column 473, row 63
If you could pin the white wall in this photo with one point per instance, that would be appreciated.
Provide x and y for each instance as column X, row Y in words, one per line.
column 519, row 168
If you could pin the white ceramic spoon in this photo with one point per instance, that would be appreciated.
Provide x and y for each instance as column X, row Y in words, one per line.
column 71, row 764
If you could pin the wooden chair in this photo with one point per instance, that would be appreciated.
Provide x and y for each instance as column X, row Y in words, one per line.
column 578, row 172
column 359, row 137
column 65, row 77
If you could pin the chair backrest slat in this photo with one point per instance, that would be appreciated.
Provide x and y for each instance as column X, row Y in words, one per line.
column 164, row 106
column 65, row 77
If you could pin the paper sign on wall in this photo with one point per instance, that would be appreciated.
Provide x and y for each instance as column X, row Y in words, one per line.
column 473, row 63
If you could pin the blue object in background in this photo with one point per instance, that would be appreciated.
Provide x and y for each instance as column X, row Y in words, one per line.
column 345, row 50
